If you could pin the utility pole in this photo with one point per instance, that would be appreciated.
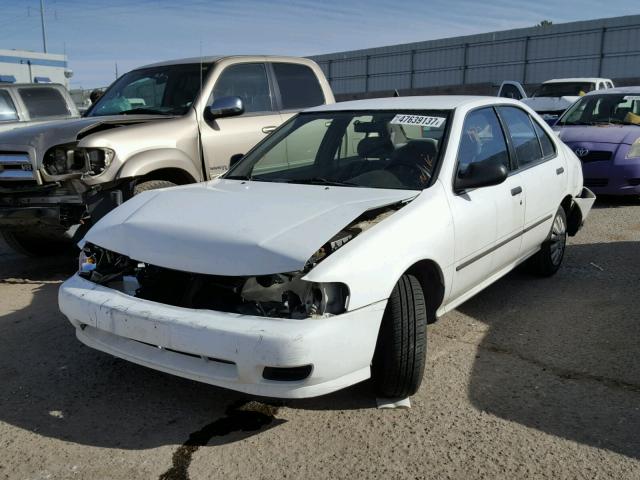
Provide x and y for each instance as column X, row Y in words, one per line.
column 44, row 34
column 116, row 70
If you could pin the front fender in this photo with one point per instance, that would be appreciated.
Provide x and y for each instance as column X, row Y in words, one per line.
column 371, row 264
column 143, row 163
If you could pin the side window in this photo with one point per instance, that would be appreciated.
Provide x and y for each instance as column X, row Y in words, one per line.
column 548, row 148
column 510, row 91
column 295, row 151
column 247, row 81
column 299, row 86
column 609, row 85
column 482, row 140
column 7, row 108
column 43, row 102
column 523, row 137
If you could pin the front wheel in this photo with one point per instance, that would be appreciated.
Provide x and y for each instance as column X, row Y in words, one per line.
column 151, row 185
column 33, row 245
column 400, row 355
column 548, row 260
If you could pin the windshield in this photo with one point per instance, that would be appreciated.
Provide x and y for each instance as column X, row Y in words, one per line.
column 375, row 149
column 604, row 109
column 564, row 89
column 166, row 90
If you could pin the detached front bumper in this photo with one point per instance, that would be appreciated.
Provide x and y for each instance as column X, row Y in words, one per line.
column 225, row 349
column 580, row 211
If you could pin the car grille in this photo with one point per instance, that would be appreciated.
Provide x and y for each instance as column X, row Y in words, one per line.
column 16, row 167
column 596, row 182
column 596, row 156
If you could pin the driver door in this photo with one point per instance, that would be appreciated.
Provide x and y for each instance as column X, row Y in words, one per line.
column 224, row 137
column 488, row 221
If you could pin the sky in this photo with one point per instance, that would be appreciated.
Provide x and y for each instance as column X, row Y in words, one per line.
column 96, row 35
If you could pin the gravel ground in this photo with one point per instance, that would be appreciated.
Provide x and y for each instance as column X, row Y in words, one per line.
column 532, row 378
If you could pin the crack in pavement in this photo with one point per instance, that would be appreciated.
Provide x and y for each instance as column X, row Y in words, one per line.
column 559, row 372
column 240, row 417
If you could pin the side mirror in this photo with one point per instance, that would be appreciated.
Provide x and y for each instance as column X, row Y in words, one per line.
column 235, row 159
column 224, row 107
column 481, row 174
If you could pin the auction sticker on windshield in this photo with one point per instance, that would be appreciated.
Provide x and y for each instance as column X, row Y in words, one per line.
column 421, row 120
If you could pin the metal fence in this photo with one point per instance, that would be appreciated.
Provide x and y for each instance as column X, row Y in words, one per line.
column 597, row 48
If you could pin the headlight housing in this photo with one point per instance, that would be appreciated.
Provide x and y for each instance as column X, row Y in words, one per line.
column 634, row 151
column 69, row 158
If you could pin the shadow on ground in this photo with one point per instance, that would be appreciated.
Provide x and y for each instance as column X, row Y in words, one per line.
column 562, row 354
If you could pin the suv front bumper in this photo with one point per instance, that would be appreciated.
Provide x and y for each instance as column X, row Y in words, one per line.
column 225, row 349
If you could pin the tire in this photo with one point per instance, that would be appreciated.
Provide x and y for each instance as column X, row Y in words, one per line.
column 548, row 260
column 400, row 355
column 151, row 185
column 36, row 246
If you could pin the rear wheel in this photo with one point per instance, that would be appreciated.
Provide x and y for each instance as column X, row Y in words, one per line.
column 548, row 260
column 400, row 355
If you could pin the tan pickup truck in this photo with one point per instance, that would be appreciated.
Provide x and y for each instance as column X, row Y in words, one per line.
column 160, row 125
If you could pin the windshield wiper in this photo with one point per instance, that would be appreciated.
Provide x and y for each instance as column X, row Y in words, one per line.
column 323, row 181
column 147, row 111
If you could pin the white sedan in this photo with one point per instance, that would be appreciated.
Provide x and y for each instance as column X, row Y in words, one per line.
column 318, row 260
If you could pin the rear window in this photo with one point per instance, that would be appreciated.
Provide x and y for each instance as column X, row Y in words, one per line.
column 7, row 108
column 43, row 102
column 299, row 86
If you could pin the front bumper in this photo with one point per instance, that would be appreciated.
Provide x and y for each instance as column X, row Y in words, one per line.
column 225, row 349
column 621, row 177
column 583, row 204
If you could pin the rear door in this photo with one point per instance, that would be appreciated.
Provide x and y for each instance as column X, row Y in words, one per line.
column 541, row 174
column 296, row 87
column 224, row 137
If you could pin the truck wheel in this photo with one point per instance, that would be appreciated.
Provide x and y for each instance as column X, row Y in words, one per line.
column 36, row 246
column 548, row 260
column 400, row 355
column 151, row 185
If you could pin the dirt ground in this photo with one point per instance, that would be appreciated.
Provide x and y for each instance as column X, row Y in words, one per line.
column 532, row 378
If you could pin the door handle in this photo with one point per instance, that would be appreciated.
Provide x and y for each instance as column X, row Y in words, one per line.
column 268, row 129
column 516, row 191
column 559, row 171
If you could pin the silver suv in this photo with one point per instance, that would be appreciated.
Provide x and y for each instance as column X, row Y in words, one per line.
column 164, row 124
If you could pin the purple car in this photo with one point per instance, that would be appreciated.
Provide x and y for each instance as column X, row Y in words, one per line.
column 603, row 129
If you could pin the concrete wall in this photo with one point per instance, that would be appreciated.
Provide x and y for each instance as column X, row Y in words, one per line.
column 596, row 48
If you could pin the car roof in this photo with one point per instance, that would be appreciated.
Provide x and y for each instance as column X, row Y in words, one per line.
column 215, row 58
column 577, row 79
column 430, row 102
column 634, row 90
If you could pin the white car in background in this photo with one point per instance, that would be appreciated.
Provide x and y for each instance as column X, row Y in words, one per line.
column 317, row 261
column 554, row 96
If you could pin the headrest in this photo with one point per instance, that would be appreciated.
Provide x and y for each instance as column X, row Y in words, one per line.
column 375, row 147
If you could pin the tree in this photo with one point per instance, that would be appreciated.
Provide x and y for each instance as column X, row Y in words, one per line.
column 545, row 23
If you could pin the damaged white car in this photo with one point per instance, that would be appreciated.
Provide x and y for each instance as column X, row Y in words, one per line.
column 317, row 261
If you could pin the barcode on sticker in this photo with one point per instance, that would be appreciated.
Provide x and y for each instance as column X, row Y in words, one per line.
column 420, row 120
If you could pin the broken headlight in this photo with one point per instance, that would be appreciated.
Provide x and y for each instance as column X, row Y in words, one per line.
column 64, row 159
column 287, row 295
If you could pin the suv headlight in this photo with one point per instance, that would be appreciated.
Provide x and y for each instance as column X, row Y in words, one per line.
column 634, row 151
column 64, row 159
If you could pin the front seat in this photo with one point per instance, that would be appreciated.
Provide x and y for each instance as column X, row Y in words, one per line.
column 413, row 163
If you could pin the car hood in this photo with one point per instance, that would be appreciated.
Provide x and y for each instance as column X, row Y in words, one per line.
column 230, row 227
column 549, row 104
column 43, row 136
column 616, row 134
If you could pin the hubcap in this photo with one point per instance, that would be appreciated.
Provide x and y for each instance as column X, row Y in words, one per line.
column 558, row 239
